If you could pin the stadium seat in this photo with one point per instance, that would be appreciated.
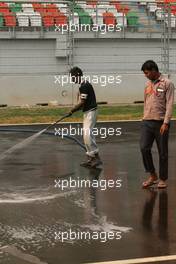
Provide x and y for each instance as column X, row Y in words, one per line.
column 60, row 19
column 113, row 10
column 63, row 8
column 4, row 5
column 51, row 8
column 120, row 16
column 36, row 20
column 48, row 20
column 23, row 19
column 121, row 8
column 143, row 4
column 92, row 13
column 169, row 1
column 90, row 10
column 173, row 10
column 1, row 20
column 84, row 6
column 117, row 6
column 101, row 9
column 100, row 17
column 4, row 8
column 124, row 9
column 85, row 19
column 39, row 8
column 109, row 18
column 92, row 3
column 78, row 9
column 152, row 7
column 113, row 2
column 15, row 7
column 172, row 20
column 121, row 20
column 27, row 8
column 74, row 19
column 10, row 20
column 132, row 19
column 159, row 15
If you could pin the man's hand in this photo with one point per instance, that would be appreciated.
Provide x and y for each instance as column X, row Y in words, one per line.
column 69, row 114
column 77, row 107
column 164, row 128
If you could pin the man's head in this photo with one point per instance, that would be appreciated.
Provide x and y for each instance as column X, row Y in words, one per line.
column 150, row 69
column 76, row 74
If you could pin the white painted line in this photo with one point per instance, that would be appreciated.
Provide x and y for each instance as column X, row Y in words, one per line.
column 77, row 122
column 139, row 260
column 72, row 122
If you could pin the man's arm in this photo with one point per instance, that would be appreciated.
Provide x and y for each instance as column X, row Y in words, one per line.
column 169, row 108
column 77, row 107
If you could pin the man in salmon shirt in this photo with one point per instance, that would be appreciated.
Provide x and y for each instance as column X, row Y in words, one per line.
column 158, row 106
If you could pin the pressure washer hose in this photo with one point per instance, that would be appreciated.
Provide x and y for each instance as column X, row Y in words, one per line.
column 46, row 132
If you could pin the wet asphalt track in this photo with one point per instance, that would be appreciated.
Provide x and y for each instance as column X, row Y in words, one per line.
column 33, row 209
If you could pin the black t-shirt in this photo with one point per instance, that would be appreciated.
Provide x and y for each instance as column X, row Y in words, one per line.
column 87, row 93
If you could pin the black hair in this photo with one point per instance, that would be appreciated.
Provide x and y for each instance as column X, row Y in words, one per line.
column 149, row 65
column 76, row 71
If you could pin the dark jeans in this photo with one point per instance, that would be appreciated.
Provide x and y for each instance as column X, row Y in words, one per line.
column 150, row 131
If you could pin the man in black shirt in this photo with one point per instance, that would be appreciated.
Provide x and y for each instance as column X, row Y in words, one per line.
column 89, row 107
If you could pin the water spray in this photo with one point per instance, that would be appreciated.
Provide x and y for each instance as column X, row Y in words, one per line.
column 28, row 140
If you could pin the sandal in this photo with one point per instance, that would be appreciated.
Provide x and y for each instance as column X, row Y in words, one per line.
column 149, row 182
column 161, row 185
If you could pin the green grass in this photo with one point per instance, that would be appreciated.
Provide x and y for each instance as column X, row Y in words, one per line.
column 17, row 115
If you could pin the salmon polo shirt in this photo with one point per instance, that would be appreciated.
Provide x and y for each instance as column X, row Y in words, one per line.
column 159, row 100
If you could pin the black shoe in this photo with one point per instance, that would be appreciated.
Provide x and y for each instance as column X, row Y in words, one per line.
column 86, row 163
column 96, row 161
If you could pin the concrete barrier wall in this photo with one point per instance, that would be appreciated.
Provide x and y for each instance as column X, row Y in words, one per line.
column 21, row 90
column 28, row 68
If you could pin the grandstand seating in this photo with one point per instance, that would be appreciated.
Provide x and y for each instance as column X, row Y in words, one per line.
column 47, row 15
column 159, row 10
column 87, row 12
